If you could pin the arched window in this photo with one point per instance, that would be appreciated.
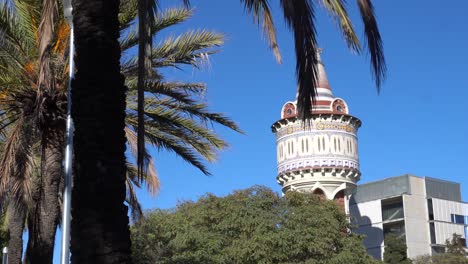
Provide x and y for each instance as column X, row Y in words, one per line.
column 339, row 199
column 320, row 193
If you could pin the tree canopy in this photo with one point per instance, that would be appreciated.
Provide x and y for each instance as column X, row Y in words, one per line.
column 395, row 250
column 255, row 225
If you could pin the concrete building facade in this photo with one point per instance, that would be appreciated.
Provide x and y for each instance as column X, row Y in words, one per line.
column 422, row 210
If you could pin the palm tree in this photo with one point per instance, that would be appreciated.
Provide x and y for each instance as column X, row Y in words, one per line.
column 175, row 117
column 176, row 120
column 32, row 113
column 170, row 112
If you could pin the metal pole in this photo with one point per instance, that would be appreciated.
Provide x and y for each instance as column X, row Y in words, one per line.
column 66, row 215
column 5, row 255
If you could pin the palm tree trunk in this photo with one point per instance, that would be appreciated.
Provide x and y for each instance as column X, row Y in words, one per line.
column 43, row 219
column 15, row 229
column 100, row 231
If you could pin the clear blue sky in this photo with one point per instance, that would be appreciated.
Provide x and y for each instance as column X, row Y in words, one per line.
column 416, row 125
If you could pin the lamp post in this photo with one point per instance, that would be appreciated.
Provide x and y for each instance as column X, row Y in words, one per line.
column 5, row 255
column 66, row 214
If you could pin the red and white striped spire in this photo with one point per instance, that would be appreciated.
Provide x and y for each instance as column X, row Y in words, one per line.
column 325, row 102
column 324, row 91
column 322, row 75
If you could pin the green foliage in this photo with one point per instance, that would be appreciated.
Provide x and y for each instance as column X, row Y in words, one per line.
column 441, row 259
column 248, row 226
column 395, row 250
column 455, row 254
column 456, row 246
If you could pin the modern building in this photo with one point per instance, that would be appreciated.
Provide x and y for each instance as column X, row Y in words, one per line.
column 322, row 158
column 424, row 211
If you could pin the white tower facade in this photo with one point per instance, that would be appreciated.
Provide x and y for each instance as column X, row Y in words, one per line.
column 321, row 158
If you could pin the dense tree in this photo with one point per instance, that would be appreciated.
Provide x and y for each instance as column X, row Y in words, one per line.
column 395, row 250
column 248, row 226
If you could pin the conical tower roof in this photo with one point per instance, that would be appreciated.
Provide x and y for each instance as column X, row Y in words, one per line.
column 325, row 102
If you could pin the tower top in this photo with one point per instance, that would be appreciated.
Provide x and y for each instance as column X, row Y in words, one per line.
column 321, row 158
column 325, row 102
column 322, row 81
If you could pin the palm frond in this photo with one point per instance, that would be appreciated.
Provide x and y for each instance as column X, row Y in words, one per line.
column 374, row 41
column 12, row 29
column 17, row 163
column 260, row 10
column 146, row 11
column 28, row 12
column 170, row 143
column 299, row 16
column 132, row 200
column 178, row 91
column 337, row 9
column 196, row 136
column 151, row 176
column 128, row 11
column 46, row 33
column 191, row 48
column 163, row 20
column 195, row 110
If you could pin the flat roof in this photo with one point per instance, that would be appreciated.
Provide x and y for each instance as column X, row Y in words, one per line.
column 399, row 185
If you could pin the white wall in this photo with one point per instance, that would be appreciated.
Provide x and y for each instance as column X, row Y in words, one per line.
column 445, row 231
column 367, row 217
column 366, row 213
column 443, row 209
column 418, row 238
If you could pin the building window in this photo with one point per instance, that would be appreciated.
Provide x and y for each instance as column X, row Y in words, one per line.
column 430, row 209
column 437, row 250
column 392, row 209
column 432, row 231
column 462, row 242
column 394, row 228
column 458, row 219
